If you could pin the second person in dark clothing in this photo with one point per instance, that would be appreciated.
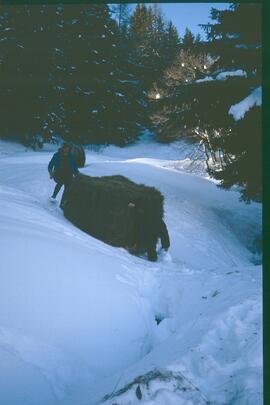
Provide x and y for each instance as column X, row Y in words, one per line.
column 62, row 168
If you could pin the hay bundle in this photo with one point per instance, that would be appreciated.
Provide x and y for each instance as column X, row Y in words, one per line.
column 77, row 151
column 118, row 211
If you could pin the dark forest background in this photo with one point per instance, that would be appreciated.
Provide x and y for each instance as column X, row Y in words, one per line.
column 100, row 74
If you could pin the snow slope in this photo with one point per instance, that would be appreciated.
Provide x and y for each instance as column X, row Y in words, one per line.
column 83, row 322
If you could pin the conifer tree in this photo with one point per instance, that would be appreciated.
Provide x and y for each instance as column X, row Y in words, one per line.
column 85, row 48
column 122, row 13
column 66, row 70
column 155, row 42
column 166, row 94
column 172, row 43
column 139, row 25
column 220, row 104
column 236, row 39
column 26, row 59
column 188, row 40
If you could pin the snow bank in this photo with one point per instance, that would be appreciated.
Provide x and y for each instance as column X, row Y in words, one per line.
column 254, row 99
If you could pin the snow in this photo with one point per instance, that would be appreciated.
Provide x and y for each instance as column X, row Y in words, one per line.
column 129, row 81
column 233, row 73
column 159, row 387
column 233, row 36
column 83, row 322
column 254, row 99
column 177, row 155
column 244, row 46
column 205, row 79
column 60, row 88
column 223, row 76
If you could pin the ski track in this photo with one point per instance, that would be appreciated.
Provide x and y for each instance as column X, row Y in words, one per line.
column 205, row 290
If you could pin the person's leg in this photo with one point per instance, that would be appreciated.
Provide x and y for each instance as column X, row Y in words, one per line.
column 66, row 186
column 164, row 235
column 56, row 189
column 151, row 252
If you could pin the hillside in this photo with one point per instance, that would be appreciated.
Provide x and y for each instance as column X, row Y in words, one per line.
column 80, row 320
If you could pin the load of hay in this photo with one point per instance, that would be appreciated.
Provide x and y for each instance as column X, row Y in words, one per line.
column 118, row 211
column 77, row 151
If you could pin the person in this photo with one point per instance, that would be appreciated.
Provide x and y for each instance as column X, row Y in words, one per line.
column 142, row 235
column 62, row 167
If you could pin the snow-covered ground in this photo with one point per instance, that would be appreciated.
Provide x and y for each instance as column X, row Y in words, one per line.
column 83, row 323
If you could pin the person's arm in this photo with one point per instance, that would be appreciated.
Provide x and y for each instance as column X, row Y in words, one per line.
column 74, row 166
column 51, row 165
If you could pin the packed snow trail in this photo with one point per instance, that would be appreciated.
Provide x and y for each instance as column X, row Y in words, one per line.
column 80, row 319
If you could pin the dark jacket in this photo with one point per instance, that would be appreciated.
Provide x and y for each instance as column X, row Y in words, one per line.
column 62, row 167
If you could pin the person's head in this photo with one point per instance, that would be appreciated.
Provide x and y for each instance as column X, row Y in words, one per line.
column 65, row 149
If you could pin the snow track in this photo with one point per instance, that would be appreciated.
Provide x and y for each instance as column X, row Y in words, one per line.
column 80, row 319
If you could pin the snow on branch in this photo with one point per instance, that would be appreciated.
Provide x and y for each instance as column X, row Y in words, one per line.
column 238, row 110
column 205, row 79
column 224, row 76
